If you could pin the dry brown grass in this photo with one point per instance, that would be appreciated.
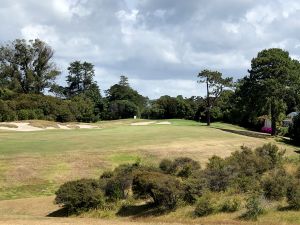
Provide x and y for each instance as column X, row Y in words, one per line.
column 35, row 210
column 42, row 123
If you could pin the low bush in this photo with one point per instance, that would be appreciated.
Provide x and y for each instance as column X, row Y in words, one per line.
column 206, row 205
column 107, row 174
column 166, row 165
column 119, row 182
column 231, row 204
column 293, row 195
column 269, row 157
column 217, row 174
column 253, row 208
column 193, row 188
column 275, row 184
column 165, row 190
column 182, row 166
column 80, row 195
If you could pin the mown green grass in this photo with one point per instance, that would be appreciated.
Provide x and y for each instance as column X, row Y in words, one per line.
column 35, row 163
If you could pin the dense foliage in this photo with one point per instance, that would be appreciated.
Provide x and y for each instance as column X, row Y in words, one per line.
column 240, row 181
column 81, row 195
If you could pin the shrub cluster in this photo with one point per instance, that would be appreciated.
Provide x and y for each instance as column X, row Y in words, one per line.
column 182, row 180
column 165, row 190
column 254, row 208
column 80, row 195
column 41, row 107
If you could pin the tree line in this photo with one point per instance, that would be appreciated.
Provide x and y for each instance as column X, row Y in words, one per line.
column 28, row 74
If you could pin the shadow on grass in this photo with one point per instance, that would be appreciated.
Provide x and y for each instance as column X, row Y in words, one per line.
column 63, row 212
column 287, row 208
column 246, row 133
column 137, row 211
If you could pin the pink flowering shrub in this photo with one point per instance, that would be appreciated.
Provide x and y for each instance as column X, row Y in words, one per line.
column 266, row 130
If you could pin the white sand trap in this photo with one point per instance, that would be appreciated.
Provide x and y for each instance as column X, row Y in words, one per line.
column 164, row 123
column 86, row 126
column 21, row 127
column 63, row 127
column 50, row 128
column 142, row 123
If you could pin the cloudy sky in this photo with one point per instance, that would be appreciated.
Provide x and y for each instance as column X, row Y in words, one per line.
column 161, row 45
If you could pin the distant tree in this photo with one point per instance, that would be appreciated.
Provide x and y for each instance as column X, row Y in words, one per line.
column 122, row 91
column 26, row 66
column 80, row 78
column 294, row 130
column 215, row 85
column 273, row 75
column 124, row 81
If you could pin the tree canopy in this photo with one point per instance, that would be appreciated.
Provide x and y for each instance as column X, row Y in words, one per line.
column 26, row 66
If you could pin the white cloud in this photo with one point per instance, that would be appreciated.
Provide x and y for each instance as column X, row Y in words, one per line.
column 159, row 45
column 43, row 32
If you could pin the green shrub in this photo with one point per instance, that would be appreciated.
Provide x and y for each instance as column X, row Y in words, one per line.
column 166, row 165
column 193, row 188
column 217, row 174
column 107, row 174
column 253, row 208
column 231, row 205
column 206, row 205
column 80, row 195
column 269, row 157
column 182, row 166
column 293, row 195
column 275, row 184
column 243, row 184
column 119, row 181
column 115, row 189
column 164, row 189
column 7, row 112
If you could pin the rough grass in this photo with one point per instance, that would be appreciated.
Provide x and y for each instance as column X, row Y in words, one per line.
column 36, row 163
column 19, row 212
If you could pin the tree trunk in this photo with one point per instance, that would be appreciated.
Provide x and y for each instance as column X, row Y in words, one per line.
column 273, row 118
column 208, row 105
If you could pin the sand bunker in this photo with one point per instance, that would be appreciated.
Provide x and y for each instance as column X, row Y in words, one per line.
column 86, row 126
column 150, row 122
column 164, row 123
column 142, row 123
column 63, row 127
column 22, row 126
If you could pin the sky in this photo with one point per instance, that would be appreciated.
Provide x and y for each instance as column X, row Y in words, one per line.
column 160, row 45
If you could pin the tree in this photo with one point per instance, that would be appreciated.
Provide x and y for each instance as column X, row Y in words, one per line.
column 124, row 81
column 273, row 75
column 80, row 78
column 26, row 66
column 123, row 92
column 294, row 130
column 215, row 85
